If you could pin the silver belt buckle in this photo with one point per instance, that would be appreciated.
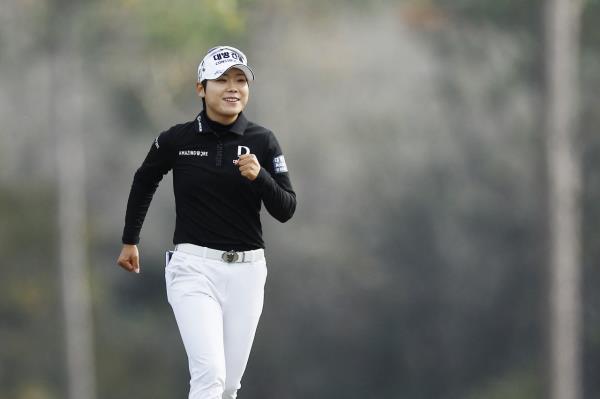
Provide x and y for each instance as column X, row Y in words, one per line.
column 230, row 256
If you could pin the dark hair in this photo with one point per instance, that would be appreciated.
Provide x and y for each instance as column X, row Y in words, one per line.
column 203, row 83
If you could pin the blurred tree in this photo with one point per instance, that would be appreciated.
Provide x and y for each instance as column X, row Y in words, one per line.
column 414, row 273
column 30, row 302
column 66, row 125
column 564, row 172
column 187, row 25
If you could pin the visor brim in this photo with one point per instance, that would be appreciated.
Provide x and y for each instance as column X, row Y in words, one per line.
column 246, row 69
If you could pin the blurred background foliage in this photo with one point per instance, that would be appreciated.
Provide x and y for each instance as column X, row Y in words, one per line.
column 416, row 264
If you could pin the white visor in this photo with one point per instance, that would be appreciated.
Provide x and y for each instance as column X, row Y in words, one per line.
column 219, row 60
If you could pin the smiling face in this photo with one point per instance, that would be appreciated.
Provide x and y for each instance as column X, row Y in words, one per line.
column 225, row 96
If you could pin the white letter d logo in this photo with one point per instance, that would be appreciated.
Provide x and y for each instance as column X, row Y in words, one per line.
column 243, row 150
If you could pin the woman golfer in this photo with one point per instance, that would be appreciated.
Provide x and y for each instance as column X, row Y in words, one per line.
column 224, row 167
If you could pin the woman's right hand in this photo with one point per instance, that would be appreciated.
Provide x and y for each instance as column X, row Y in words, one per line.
column 129, row 258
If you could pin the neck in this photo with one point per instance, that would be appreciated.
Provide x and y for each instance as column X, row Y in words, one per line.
column 222, row 119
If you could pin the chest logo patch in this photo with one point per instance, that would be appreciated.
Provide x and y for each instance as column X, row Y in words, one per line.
column 193, row 153
column 242, row 149
column 279, row 164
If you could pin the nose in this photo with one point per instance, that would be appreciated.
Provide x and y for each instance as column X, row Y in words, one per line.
column 232, row 87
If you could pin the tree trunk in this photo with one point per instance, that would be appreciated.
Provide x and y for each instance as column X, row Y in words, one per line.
column 66, row 121
column 564, row 174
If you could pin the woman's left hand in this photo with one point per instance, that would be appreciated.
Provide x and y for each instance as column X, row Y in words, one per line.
column 249, row 166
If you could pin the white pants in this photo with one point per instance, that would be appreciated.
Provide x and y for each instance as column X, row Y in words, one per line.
column 217, row 306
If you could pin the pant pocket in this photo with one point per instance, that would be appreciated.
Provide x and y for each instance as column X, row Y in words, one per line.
column 169, row 277
column 173, row 271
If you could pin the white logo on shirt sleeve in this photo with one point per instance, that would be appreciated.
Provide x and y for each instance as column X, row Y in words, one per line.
column 279, row 164
column 156, row 143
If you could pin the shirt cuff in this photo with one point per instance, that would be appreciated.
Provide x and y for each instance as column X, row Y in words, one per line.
column 130, row 240
column 262, row 179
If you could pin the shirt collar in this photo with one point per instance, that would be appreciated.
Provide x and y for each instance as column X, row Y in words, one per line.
column 239, row 127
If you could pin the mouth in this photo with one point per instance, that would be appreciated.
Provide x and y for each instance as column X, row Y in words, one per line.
column 231, row 99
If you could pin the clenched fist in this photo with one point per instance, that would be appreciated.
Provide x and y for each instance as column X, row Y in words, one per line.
column 129, row 259
column 249, row 166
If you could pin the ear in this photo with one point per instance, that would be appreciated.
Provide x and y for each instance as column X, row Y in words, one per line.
column 200, row 89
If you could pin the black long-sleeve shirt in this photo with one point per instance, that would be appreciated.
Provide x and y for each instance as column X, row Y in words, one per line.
column 215, row 205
